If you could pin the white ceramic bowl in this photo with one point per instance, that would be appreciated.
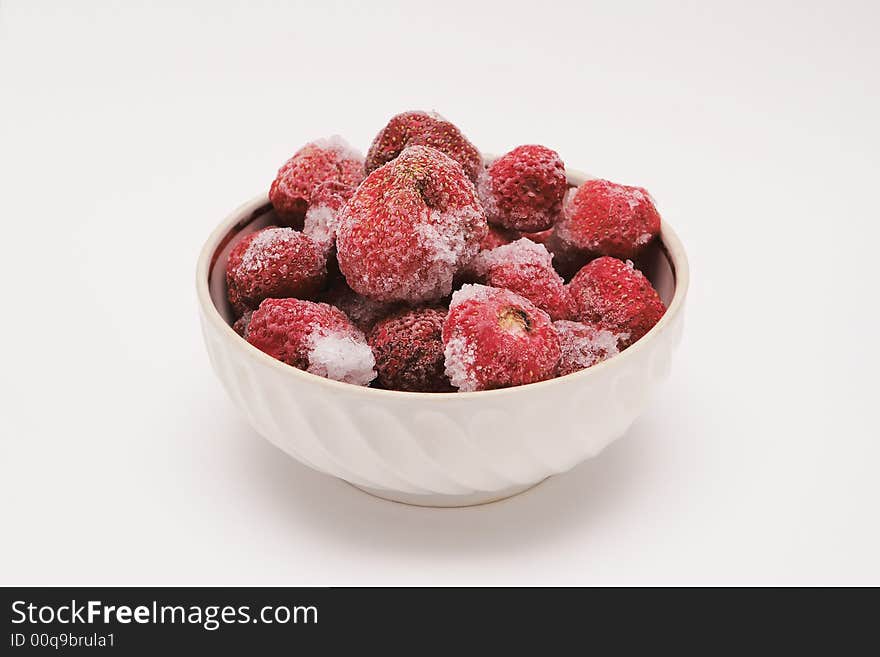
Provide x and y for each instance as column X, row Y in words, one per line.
column 454, row 449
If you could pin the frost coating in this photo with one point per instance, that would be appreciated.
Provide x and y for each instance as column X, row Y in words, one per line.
column 321, row 223
column 583, row 345
column 516, row 254
column 486, row 193
column 460, row 357
column 322, row 217
column 263, row 251
column 470, row 292
column 339, row 356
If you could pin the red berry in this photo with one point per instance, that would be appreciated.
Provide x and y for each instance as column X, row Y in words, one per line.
column 583, row 345
column 604, row 218
column 313, row 337
column 274, row 262
column 409, row 228
column 613, row 295
column 496, row 339
column 409, row 351
column 423, row 129
column 326, row 159
column 523, row 189
column 526, row 268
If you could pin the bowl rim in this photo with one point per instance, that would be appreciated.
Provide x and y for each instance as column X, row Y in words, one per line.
column 669, row 240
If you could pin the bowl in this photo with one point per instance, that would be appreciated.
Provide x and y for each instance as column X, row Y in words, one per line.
column 435, row 449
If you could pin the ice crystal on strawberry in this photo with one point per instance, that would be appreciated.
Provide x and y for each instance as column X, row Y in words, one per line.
column 523, row 189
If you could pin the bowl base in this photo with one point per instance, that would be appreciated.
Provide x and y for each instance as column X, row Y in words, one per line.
column 446, row 501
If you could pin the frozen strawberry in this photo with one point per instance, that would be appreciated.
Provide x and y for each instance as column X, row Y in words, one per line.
column 526, row 268
column 496, row 339
column 319, row 161
column 423, row 129
column 584, row 345
column 408, row 348
column 274, row 262
column 313, row 337
column 324, row 205
column 363, row 312
column 604, row 218
column 410, row 226
column 523, row 189
column 616, row 296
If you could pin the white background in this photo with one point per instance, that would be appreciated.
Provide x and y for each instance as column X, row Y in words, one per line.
column 126, row 135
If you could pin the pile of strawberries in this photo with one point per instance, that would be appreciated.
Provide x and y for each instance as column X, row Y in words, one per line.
column 423, row 268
